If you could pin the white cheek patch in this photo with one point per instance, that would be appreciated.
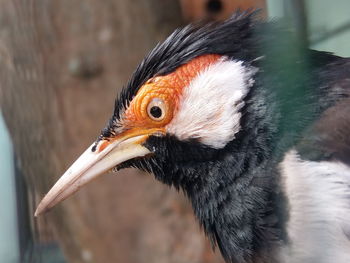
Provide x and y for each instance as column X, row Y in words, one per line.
column 209, row 109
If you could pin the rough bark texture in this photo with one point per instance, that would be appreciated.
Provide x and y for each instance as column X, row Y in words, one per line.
column 218, row 9
column 61, row 65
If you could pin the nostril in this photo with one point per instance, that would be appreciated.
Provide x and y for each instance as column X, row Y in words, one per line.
column 93, row 149
column 214, row 6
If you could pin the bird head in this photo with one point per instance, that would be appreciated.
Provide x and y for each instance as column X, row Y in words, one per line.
column 182, row 117
column 182, row 105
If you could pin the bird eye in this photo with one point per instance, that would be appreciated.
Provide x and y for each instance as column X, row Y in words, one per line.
column 156, row 109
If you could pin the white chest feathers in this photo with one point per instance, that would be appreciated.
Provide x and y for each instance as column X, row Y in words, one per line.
column 319, row 210
column 210, row 107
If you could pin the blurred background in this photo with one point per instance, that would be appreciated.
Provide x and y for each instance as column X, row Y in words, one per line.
column 62, row 64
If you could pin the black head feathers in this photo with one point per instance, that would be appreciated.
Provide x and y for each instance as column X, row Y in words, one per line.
column 230, row 38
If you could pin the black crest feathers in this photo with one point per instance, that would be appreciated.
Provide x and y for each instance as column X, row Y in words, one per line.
column 223, row 38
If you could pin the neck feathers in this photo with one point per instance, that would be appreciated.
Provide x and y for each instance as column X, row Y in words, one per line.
column 237, row 200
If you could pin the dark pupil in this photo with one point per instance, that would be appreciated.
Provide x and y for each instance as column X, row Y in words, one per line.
column 156, row 112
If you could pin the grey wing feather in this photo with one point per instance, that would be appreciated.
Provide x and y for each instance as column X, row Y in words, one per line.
column 329, row 137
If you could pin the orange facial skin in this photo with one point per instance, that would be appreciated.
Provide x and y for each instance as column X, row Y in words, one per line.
column 168, row 88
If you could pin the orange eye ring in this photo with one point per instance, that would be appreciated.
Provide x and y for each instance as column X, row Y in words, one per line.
column 164, row 92
column 152, row 107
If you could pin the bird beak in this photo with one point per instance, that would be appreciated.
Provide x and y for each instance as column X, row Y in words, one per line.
column 91, row 164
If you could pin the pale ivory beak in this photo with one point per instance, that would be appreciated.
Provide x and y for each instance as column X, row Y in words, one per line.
column 89, row 166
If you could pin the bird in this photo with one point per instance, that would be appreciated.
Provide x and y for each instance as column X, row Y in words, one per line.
column 252, row 126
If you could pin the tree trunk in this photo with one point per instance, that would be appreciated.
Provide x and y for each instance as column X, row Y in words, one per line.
column 61, row 66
